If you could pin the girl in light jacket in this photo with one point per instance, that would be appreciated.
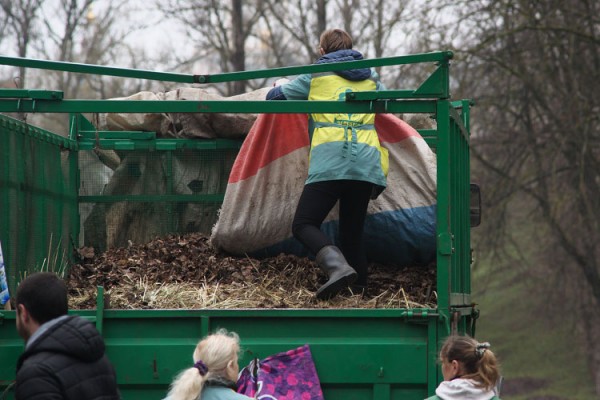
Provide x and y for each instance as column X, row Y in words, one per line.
column 470, row 370
column 214, row 373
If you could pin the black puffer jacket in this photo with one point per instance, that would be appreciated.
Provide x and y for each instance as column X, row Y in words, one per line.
column 66, row 362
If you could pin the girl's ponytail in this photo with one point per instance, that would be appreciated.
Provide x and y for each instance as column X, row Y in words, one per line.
column 487, row 366
column 187, row 385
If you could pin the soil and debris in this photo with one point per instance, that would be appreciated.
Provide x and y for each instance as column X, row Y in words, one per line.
column 184, row 271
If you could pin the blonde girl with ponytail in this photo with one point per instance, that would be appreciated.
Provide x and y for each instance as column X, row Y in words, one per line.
column 470, row 370
column 214, row 373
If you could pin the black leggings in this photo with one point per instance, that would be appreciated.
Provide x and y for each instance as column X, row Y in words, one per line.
column 316, row 202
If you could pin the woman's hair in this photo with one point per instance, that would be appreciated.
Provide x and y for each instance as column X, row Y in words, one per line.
column 334, row 40
column 478, row 362
column 211, row 359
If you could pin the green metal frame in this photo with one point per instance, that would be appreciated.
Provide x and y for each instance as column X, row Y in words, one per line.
column 441, row 57
column 359, row 353
column 149, row 347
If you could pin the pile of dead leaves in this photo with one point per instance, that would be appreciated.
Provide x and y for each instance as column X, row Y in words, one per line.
column 185, row 272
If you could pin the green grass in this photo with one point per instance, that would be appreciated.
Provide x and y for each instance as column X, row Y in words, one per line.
column 529, row 344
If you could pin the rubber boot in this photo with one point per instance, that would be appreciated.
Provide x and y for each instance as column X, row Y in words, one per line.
column 341, row 275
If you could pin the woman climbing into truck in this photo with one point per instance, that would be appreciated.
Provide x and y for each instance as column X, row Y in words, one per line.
column 470, row 370
column 347, row 163
column 214, row 373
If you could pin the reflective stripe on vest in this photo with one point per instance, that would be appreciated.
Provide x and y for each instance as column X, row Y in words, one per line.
column 350, row 128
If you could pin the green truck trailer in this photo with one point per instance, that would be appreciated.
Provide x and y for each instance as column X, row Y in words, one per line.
column 378, row 354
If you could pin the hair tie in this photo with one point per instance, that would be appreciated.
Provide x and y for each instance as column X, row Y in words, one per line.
column 480, row 348
column 201, row 367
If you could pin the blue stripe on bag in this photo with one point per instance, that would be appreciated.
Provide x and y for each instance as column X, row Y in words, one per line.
column 404, row 237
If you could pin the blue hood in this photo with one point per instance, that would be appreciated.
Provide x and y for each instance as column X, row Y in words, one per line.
column 359, row 74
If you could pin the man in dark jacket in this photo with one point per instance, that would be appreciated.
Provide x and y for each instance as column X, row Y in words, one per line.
column 64, row 355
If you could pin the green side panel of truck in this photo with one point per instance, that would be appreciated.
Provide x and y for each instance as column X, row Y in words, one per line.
column 379, row 354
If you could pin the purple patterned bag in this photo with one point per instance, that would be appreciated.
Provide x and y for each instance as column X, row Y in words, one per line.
column 290, row 375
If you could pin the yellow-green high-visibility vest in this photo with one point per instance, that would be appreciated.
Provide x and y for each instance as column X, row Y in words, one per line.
column 344, row 146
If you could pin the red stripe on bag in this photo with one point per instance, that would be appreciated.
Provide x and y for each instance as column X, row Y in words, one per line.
column 392, row 129
column 272, row 136
column 282, row 134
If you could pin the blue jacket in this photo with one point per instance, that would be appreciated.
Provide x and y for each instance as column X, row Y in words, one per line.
column 221, row 393
column 218, row 388
column 343, row 146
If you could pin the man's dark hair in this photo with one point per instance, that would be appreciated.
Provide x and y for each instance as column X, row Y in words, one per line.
column 44, row 295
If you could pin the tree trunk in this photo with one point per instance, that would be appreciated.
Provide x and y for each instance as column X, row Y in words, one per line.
column 238, row 58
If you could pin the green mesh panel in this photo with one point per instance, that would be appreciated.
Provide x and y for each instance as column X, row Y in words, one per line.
column 38, row 200
column 150, row 193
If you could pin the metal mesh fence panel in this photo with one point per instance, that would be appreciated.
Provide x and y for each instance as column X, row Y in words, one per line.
column 150, row 193
column 38, row 202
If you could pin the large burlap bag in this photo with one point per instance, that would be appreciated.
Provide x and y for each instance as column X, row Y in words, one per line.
column 184, row 125
column 268, row 176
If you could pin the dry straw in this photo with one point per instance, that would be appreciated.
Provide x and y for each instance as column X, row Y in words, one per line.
column 193, row 276
column 272, row 292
